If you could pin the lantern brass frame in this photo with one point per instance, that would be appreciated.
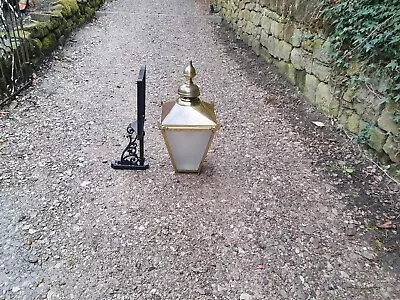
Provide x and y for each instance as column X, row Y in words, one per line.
column 188, row 113
column 214, row 129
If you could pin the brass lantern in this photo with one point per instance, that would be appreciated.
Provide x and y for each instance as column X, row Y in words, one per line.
column 188, row 125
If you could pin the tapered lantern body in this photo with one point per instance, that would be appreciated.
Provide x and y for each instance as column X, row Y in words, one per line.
column 188, row 125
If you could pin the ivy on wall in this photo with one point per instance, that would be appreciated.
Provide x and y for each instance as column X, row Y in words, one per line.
column 366, row 32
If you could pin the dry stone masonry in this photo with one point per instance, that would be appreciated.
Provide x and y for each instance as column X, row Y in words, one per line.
column 277, row 31
column 49, row 28
column 46, row 29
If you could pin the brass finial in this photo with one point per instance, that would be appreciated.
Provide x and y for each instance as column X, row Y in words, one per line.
column 189, row 91
column 189, row 73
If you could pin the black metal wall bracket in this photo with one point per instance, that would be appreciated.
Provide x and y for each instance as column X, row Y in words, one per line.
column 130, row 158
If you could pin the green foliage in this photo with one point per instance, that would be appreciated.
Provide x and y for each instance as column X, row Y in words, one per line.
column 340, row 169
column 367, row 31
column 364, row 134
column 396, row 118
column 347, row 170
column 370, row 227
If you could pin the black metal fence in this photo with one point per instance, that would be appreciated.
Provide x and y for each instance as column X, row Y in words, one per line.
column 15, row 66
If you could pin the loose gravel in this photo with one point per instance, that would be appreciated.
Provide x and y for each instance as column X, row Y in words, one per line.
column 283, row 209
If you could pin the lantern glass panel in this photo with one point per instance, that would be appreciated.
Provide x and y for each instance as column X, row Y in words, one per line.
column 188, row 148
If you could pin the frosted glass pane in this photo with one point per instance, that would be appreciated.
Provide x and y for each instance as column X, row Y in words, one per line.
column 188, row 147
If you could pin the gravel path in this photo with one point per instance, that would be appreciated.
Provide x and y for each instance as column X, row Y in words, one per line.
column 270, row 217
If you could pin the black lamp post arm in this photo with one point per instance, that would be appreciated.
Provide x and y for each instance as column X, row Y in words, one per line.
column 130, row 158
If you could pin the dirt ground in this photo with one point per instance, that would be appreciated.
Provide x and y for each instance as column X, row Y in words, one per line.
column 283, row 209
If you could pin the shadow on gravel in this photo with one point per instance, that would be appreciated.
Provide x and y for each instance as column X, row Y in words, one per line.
column 370, row 197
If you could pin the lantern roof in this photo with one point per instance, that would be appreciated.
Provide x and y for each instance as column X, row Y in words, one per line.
column 181, row 113
column 188, row 109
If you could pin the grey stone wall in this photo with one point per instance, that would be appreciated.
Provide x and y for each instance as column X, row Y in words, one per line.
column 275, row 31
column 49, row 28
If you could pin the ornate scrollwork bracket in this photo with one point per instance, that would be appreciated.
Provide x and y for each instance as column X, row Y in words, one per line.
column 130, row 158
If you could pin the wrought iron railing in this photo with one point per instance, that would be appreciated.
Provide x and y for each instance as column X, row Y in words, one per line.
column 15, row 66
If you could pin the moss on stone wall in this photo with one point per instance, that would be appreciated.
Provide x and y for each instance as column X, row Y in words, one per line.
column 48, row 27
column 49, row 42
column 37, row 29
column 37, row 47
column 69, row 7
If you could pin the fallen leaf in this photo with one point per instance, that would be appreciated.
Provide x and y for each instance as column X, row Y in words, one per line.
column 21, row 5
column 260, row 267
column 318, row 123
column 386, row 225
column 348, row 170
column 85, row 183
